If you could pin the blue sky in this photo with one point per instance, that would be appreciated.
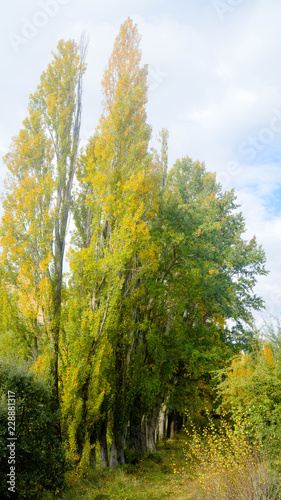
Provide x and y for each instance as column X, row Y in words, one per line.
column 215, row 83
column 273, row 202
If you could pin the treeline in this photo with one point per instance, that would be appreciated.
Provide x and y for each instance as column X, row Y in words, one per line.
column 160, row 288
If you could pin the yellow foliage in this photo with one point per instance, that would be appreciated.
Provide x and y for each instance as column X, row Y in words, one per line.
column 267, row 353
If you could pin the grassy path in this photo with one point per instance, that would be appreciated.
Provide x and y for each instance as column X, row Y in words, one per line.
column 154, row 478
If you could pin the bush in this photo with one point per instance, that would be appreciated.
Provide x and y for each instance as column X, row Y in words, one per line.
column 40, row 462
column 251, row 386
column 231, row 467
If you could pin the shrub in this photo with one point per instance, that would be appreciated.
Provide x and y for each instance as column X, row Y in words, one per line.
column 40, row 459
column 251, row 386
column 229, row 466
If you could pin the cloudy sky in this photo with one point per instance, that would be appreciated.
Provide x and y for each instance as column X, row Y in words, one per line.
column 215, row 83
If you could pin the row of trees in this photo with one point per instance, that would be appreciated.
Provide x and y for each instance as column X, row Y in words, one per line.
column 158, row 263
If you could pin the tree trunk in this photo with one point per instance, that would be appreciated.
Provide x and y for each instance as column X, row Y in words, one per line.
column 162, row 423
column 103, row 444
column 92, row 455
column 117, row 456
column 56, row 334
column 151, row 431
column 171, row 425
column 136, row 439
column 92, row 458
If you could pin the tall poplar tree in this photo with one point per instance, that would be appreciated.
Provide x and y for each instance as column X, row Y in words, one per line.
column 133, row 188
column 120, row 187
column 41, row 165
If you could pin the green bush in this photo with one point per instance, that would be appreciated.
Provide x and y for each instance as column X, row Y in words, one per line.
column 40, row 462
column 251, row 386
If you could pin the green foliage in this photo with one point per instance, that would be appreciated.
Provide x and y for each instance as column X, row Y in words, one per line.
column 206, row 274
column 252, row 386
column 40, row 462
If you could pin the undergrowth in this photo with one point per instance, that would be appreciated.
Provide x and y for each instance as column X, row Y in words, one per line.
column 232, row 463
column 152, row 478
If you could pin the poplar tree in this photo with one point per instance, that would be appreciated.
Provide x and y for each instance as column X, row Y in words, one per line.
column 119, row 186
column 133, row 182
column 41, row 164
column 206, row 276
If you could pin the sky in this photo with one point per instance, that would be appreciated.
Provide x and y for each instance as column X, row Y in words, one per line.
column 214, row 83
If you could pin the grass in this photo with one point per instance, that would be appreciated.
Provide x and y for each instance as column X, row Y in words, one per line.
column 153, row 478
column 219, row 465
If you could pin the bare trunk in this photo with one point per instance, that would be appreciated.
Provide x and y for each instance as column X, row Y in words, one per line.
column 92, row 456
column 150, row 437
column 103, row 444
column 161, row 431
column 144, row 433
column 152, row 425
column 136, row 439
column 93, row 460
column 171, row 425
column 151, row 431
column 117, row 456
